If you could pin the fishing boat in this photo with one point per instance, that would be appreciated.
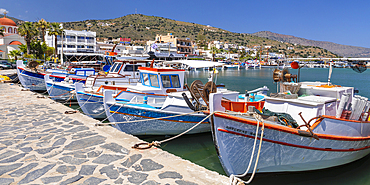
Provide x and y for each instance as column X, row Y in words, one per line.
column 306, row 126
column 65, row 90
column 90, row 94
column 32, row 77
column 159, row 104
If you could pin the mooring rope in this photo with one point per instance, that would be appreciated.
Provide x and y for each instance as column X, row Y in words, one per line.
column 234, row 179
column 158, row 143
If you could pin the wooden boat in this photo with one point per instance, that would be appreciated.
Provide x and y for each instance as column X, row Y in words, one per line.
column 90, row 94
column 65, row 90
column 313, row 129
column 162, row 101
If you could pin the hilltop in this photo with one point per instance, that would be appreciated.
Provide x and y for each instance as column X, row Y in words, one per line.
column 141, row 28
column 343, row 50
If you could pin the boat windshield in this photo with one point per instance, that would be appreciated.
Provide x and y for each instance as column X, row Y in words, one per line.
column 170, row 81
column 115, row 67
column 150, row 80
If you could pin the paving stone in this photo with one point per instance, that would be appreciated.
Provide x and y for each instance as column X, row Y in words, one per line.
column 118, row 181
column 60, row 141
column 13, row 159
column 58, row 123
column 36, row 174
column 22, row 123
column 57, row 131
column 6, row 181
column 7, row 129
column 48, row 180
column 20, row 137
column 73, row 161
column 67, row 126
column 107, row 158
column 32, row 138
column 80, row 156
column 26, row 149
column 76, row 123
column 48, row 137
column 71, row 180
column 7, row 168
column 87, row 169
column 120, row 170
column 135, row 177
column 45, row 150
column 151, row 182
column 172, row 175
column 115, row 148
column 83, row 134
column 23, row 170
column 182, row 182
column 7, row 154
column 38, row 123
column 67, row 119
column 131, row 160
column 77, row 129
column 66, row 169
column 43, row 144
column 9, row 142
column 22, row 144
column 94, row 154
column 93, row 181
column 48, row 130
column 85, row 143
column 109, row 171
column 149, row 165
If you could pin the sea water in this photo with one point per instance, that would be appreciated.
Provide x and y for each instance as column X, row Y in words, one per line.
column 199, row 148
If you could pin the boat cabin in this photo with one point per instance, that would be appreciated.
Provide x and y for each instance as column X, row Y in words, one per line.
column 160, row 80
column 122, row 73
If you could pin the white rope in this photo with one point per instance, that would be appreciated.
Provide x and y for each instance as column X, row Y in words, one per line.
column 157, row 143
column 234, row 179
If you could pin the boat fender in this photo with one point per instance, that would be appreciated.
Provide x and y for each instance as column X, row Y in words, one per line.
column 190, row 105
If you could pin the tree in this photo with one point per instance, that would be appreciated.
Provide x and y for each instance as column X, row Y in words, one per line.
column 55, row 30
column 14, row 54
column 29, row 31
column 43, row 25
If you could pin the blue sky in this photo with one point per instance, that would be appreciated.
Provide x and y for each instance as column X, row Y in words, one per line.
column 343, row 22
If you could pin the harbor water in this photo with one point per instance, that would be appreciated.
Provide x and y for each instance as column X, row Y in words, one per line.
column 199, row 148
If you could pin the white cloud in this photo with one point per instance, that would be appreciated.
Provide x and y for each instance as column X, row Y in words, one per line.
column 2, row 11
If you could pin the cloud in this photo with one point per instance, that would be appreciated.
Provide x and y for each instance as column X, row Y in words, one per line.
column 2, row 11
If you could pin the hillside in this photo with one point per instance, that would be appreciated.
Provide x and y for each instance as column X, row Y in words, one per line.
column 142, row 28
column 342, row 50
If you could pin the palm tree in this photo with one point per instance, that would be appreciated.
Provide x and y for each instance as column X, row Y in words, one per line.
column 43, row 25
column 55, row 30
column 15, row 54
column 29, row 31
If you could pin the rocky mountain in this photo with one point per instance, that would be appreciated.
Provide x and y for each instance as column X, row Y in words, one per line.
column 342, row 50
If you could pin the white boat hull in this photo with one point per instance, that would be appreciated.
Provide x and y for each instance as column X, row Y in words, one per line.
column 281, row 151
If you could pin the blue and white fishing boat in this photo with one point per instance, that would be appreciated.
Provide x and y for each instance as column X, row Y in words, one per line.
column 65, row 90
column 313, row 129
column 90, row 94
column 33, row 79
column 159, row 104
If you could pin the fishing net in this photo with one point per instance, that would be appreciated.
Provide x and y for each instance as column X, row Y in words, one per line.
column 283, row 118
column 359, row 67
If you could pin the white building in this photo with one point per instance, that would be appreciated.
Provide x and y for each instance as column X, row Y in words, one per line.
column 74, row 41
column 11, row 40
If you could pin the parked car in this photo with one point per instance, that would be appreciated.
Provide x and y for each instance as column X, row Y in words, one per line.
column 7, row 65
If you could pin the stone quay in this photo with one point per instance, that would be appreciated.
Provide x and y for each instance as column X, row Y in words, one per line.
column 40, row 144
